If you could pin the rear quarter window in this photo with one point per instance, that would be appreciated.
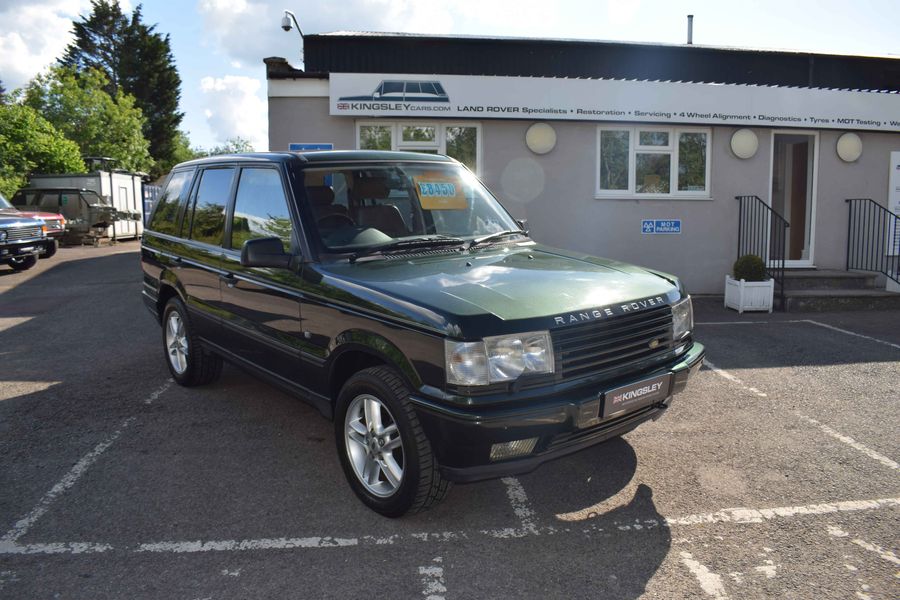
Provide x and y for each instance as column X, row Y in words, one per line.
column 168, row 208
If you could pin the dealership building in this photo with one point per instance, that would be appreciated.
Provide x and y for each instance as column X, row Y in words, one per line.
column 675, row 157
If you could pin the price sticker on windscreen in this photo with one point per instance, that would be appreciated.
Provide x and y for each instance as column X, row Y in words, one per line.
column 437, row 191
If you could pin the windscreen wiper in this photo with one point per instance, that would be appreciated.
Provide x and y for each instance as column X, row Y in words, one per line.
column 408, row 243
column 494, row 236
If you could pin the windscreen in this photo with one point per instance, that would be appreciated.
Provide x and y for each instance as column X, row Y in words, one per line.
column 359, row 207
column 4, row 203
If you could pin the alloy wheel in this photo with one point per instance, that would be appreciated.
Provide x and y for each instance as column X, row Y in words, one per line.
column 374, row 446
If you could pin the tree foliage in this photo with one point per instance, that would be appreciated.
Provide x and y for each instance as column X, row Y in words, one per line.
column 101, row 125
column 237, row 145
column 137, row 60
column 30, row 144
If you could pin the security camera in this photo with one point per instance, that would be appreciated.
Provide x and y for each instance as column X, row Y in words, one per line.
column 286, row 22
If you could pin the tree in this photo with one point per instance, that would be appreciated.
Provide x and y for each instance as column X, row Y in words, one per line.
column 236, row 145
column 101, row 125
column 30, row 144
column 138, row 61
column 2, row 93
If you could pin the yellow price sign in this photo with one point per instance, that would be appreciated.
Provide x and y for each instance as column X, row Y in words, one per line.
column 437, row 191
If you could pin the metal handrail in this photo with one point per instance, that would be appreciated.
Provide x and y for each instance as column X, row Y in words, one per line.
column 763, row 232
column 873, row 238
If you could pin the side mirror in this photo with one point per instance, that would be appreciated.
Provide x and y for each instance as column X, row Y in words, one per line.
column 523, row 225
column 265, row 252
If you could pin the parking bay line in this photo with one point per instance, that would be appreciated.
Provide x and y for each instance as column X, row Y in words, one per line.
column 883, row 553
column 846, row 439
column 738, row 516
column 69, row 479
column 809, row 322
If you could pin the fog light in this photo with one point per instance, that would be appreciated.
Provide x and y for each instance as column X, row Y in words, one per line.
column 512, row 449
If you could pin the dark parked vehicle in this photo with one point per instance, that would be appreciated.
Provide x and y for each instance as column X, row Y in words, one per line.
column 87, row 214
column 393, row 292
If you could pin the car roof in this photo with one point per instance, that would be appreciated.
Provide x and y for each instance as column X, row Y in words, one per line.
column 318, row 156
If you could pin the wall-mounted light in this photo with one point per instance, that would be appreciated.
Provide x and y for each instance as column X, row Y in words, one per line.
column 744, row 143
column 540, row 138
column 849, row 147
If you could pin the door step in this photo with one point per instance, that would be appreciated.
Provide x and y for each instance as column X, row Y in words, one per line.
column 831, row 299
column 811, row 279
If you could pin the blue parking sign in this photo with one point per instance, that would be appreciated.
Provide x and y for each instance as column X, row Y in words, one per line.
column 664, row 226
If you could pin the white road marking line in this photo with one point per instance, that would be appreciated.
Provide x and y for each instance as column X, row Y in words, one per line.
column 853, row 333
column 851, row 442
column 156, row 394
column 881, row 552
column 725, row 374
column 769, row 569
column 263, row 544
column 729, row 515
column 758, row 515
column 520, row 504
column 810, row 322
column 433, row 587
column 70, row 478
column 824, row 428
column 710, row 583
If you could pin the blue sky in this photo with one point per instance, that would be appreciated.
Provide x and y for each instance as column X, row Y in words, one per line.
column 219, row 44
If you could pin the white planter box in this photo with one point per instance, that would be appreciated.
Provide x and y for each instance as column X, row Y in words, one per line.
column 749, row 295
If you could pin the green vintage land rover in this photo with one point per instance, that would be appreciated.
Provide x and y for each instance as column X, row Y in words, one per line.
column 394, row 293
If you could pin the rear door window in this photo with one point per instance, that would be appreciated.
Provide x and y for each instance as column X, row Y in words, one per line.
column 168, row 208
column 260, row 208
column 208, row 216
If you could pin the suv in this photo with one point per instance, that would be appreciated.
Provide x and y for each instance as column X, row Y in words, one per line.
column 22, row 240
column 55, row 224
column 394, row 293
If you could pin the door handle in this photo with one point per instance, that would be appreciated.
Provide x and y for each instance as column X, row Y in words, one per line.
column 228, row 279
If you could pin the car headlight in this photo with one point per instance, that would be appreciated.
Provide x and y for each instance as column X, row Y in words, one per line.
column 682, row 318
column 2, row 235
column 499, row 358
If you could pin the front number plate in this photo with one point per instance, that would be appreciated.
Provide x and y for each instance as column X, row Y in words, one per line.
column 636, row 395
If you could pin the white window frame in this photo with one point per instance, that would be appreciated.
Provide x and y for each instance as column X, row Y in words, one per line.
column 440, row 144
column 672, row 149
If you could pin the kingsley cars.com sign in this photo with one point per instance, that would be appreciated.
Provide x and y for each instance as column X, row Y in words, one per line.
column 462, row 96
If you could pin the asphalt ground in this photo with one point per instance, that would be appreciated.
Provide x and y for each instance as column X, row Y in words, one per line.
column 773, row 476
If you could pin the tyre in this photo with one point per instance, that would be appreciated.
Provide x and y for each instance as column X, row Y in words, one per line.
column 50, row 249
column 23, row 263
column 189, row 363
column 381, row 445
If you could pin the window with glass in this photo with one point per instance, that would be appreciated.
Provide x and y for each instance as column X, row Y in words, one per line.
column 457, row 140
column 165, row 216
column 208, row 216
column 260, row 208
column 438, row 203
column 652, row 161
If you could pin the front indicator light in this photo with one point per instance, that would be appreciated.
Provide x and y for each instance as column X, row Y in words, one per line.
column 513, row 449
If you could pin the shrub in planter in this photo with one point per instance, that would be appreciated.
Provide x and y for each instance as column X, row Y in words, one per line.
column 751, row 289
column 749, row 267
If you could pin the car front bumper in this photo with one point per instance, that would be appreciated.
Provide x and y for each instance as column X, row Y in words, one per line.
column 563, row 423
column 22, row 248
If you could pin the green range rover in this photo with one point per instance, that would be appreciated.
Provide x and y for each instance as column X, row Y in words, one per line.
column 394, row 293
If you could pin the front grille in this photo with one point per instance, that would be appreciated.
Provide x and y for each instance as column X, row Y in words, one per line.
column 22, row 233
column 613, row 344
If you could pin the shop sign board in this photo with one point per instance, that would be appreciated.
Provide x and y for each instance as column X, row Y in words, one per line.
column 544, row 98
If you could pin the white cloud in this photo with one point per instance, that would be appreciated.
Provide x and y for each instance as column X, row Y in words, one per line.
column 234, row 108
column 33, row 36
